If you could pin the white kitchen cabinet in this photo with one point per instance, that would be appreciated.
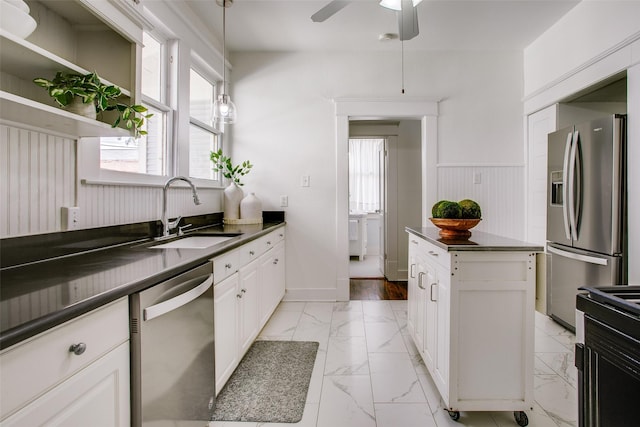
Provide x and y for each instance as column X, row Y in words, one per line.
column 226, row 328
column 248, row 305
column 96, row 396
column 45, row 382
column 248, row 286
column 471, row 316
column 272, row 286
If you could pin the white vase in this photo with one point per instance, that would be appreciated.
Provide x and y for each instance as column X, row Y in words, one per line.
column 233, row 195
column 251, row 207
column 78, row 107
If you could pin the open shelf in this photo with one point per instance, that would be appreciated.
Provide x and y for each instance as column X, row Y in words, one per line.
column 27, row 60
column 17, row 109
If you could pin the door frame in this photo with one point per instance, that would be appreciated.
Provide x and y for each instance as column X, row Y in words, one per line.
column 347, row 109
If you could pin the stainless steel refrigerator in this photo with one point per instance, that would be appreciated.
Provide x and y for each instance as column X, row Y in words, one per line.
column 586, row 212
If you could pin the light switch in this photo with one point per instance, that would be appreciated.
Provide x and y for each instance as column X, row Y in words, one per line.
column 284, row 201
column 477, row 178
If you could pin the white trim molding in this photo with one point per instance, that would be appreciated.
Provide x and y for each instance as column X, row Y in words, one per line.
column 377, row 109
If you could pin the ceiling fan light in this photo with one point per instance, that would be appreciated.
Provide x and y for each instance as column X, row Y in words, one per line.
column 392, row 4
column 224, row 110
column 397, row 4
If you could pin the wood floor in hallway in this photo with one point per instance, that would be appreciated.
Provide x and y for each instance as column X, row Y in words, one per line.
column 377, row 289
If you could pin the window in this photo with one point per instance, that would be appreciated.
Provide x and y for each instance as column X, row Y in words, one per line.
column 366, row 163
column 147, row 154
column 203, row 137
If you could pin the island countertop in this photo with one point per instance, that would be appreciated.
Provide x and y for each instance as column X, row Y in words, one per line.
column 479, row 241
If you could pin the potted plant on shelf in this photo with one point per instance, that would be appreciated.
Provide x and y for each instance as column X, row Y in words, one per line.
column 233, row 194
column 87, row 95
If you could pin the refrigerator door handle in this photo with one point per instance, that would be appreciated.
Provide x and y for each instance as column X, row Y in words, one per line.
column 565, row 185
column 617, row 184
column 578, row 257
column 576, row 185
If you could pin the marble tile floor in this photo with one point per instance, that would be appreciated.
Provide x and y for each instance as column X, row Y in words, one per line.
column 368, row 373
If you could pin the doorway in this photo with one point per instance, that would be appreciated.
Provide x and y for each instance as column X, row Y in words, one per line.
column 367, row 196
column 350, row 109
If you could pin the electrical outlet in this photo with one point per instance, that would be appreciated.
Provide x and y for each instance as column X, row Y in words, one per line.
column 284, row 201
column 477, row 178
column 71, row 218
column 305, row 181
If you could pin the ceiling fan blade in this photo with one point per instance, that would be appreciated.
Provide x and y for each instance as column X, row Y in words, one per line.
column 408, row 21
column 329, row 10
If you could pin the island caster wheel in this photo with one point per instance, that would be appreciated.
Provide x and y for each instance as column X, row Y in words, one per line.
column 521, row 418
column 455, row 415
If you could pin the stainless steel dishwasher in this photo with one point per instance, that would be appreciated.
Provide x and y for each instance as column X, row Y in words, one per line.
column 172, row 350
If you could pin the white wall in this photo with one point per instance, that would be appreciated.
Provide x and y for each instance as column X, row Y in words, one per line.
column 591, row 30
column 287, row 128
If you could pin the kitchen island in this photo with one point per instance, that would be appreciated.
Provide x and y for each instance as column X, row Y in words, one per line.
column 471, row 306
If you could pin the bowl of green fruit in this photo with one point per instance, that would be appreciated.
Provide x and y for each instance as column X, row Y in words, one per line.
column 455, row 219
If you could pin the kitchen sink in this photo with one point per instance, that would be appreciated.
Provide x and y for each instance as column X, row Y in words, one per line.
column 193, row 242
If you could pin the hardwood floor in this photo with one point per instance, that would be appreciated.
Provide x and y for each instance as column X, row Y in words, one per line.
column 377, row 289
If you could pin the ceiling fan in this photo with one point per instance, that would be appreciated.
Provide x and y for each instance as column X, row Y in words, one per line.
column 405, row 9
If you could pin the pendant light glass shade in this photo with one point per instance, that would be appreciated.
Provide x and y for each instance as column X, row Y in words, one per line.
column 224, row 110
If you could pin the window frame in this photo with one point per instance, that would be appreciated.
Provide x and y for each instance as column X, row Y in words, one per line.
column 178, row 62
column 196, row 66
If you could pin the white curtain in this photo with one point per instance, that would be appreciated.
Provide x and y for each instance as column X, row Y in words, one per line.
column 364, row 174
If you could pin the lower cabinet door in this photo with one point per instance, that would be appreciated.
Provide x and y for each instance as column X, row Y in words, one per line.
column 272, row 282
column 226, row 304
column 248, row 315
column 97, row 396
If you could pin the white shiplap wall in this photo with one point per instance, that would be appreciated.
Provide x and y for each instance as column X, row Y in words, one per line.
column 38, row 176
column 500, row 194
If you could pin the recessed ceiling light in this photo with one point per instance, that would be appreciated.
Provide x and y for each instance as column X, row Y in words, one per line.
column 387, row 36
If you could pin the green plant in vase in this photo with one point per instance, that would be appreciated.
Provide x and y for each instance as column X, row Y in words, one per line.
column 222, row 164
column 66, row 88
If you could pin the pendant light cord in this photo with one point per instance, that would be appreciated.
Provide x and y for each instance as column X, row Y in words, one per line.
column 224, row 43
column 402, row 62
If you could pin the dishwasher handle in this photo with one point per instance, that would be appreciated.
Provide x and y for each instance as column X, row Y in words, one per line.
column 164, row 307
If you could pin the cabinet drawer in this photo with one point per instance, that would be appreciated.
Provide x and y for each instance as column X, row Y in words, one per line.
column 436, row 254
column 271, row 240
column 250, row 251
column 225, row 265
column 34, row 366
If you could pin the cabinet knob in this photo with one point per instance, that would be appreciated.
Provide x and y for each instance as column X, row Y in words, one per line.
column 78, row 349
column 238, row 295
column 227, row 265
column 431, row 292
column 433, row 253
column 275, row 261
column 252, row 253
column 243, row 291
column 268, row 242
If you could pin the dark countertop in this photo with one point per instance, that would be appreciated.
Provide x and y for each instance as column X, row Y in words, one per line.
column 39, row 295
column 479, row 241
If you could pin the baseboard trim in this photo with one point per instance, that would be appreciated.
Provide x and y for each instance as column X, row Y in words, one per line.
column 310, row 294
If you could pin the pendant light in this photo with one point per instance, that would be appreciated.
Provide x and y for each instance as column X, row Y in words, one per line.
column 224, row 110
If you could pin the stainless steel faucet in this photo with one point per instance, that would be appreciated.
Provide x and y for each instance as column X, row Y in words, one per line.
column 166, row 224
